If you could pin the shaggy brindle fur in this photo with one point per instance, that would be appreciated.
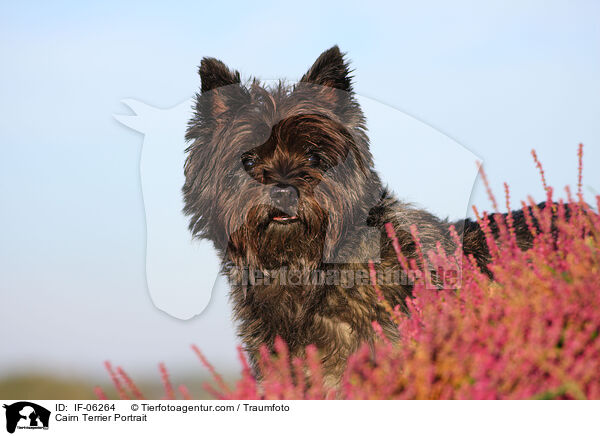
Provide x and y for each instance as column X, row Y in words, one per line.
column 281, row 180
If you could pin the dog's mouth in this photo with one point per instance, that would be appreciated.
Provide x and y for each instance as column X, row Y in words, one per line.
column 284, row 218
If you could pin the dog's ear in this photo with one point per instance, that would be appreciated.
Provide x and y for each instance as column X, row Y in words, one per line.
column 330, row 69
column 214, row 74
column 221, row 94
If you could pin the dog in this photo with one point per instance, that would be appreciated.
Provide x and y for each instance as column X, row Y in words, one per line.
column 281, row 180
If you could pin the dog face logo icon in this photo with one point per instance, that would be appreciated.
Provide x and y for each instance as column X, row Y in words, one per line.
column 26, row 415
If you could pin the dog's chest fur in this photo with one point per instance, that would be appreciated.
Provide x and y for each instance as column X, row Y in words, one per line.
column 336, row 316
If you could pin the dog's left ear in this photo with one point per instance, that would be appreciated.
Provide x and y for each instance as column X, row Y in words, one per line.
column 214, row 74
column 221, row 94
column 330, row 69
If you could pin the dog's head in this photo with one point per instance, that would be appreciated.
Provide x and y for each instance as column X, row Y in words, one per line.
column 277, row 175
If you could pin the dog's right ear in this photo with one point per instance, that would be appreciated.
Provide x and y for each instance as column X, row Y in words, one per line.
column 214, row 74
column 330, row 69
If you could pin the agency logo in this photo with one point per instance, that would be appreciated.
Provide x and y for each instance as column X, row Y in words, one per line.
column 26, row 415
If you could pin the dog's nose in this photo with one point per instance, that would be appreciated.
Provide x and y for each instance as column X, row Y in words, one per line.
column 284, row 196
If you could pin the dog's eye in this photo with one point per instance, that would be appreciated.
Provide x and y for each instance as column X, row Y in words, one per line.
column 249, row 161
column 314, row 160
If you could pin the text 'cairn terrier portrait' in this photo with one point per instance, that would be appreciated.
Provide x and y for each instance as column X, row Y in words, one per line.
column 281, row 180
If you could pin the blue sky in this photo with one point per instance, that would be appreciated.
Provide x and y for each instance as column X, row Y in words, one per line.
column 500, row 78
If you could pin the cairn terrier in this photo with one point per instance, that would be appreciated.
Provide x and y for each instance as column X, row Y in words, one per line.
column 281, row 180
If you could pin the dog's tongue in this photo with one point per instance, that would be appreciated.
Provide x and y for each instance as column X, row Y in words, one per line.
column 285, row 218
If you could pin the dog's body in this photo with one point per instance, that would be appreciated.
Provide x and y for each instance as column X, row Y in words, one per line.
column 281, row 180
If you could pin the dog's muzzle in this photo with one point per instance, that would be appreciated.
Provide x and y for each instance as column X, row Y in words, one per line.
column 285, row 198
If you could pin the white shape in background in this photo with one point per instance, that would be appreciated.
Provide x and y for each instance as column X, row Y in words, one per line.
column 181, row 272
column 407, row 151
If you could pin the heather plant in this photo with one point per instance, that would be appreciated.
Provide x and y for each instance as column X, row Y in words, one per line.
column 530, row 331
